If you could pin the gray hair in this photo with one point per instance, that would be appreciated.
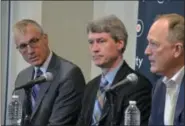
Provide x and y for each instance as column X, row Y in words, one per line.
column 175, row 27
column 20, row 27
column 112, row 25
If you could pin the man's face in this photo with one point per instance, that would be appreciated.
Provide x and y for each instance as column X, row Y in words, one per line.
column 33, row 46
column 104, row 49
column 160, row 51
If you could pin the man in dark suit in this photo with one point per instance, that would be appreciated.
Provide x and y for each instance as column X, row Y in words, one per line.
column 53, row 103
column 166, row 54
column 107, row 38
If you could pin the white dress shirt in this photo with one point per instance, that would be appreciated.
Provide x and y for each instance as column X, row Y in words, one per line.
column 172, row 92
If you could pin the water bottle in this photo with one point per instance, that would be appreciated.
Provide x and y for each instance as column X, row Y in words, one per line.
column 15, row 111
column 132, row 115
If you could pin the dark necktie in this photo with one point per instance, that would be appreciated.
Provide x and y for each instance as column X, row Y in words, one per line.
column 99, row 103
column 35, row 89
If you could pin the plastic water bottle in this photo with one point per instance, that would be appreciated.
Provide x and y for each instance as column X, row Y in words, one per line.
column 132, row 115
column 15, row 111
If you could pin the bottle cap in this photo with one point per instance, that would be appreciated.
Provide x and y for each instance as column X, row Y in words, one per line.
column 15, row 96
column 132, row 102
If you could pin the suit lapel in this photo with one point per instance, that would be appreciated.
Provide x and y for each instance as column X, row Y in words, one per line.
column 161, row 95
column 91, row 100
column 106, row 109
column 25, row 78
column 180, row 102
column 28, row 75
column 52, row 68
column 121, row 74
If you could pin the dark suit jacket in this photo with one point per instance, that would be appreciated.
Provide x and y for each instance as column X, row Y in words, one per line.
column 158, row 104
column 59, row 101
column 141, row 92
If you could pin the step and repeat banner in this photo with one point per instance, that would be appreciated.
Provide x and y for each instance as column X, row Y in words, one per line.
column 148, row 9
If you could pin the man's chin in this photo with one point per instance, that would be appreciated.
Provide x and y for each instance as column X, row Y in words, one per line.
column 98, row 65
column 103, row 66
column 153, row 70
column 35, row 63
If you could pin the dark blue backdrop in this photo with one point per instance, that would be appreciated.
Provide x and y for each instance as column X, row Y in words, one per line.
column 148, row 9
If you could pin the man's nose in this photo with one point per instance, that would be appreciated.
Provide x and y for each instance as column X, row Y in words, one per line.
column 30, row 49
column 95, row 47
column 147, row 50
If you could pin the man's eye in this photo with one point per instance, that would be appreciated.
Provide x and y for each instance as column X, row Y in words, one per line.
column 22, row 46
column 35, row 40
column 102, row 41
column 90, row 41
column 153, row 44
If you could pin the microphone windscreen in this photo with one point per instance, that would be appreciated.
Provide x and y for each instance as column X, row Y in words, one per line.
column 48, row 76
column 132, row 78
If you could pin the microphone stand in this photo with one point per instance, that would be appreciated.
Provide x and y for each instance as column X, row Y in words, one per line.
column 110, row 96
column 26, row 118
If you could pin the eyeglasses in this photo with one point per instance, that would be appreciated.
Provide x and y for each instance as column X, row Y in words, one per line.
column 32, row 43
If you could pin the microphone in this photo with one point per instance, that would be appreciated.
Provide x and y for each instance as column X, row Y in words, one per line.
column 43, row 78
column 132, row 78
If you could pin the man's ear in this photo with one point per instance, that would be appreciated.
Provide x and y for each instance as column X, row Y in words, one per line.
column 120, row 44
column 179, row 49
column 45, row 36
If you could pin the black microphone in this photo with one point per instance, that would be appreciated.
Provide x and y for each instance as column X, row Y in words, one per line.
column 132, row 78
column 43, row 78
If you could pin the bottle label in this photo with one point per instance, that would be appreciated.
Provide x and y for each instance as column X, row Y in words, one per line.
column 132, row 119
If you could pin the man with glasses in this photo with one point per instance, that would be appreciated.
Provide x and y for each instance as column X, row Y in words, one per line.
column 57, row 102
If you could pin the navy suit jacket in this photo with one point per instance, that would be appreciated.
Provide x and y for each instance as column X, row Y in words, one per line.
column 158, row 104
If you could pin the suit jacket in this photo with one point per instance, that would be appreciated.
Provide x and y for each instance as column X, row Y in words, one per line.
column 141, row 92
column 59, row 101
column 158, row 104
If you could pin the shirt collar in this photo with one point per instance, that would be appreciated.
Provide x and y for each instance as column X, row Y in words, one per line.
column 44, row 67
column 176, row 79
column 111, row 75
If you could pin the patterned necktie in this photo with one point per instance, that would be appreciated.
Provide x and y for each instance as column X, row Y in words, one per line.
column 35, row 88
column 99, row 103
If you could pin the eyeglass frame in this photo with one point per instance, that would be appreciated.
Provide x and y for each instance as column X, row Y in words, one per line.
column 32, row 43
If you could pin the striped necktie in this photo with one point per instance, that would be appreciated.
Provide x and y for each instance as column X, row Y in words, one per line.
column 35, row 88
column 99, row 103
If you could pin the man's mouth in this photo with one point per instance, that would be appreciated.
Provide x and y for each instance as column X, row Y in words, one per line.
column 97, row 57
column 33, row 58
column 152, row 62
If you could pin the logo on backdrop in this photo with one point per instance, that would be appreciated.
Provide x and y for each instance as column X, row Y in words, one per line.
column 160, row 1
column 139, row 27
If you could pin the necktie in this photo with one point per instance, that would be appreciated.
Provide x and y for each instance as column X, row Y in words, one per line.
column 99, row 103
column 35, row 89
